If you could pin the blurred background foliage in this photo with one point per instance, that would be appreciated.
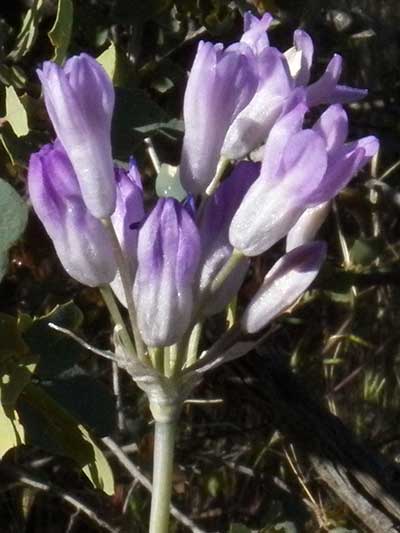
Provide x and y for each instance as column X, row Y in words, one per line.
column 234, row 471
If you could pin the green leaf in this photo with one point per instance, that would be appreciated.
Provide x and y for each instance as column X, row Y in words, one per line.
column 87, row 399
column 29, row 31
column 108, row 60
column 134, row 110
column 11, row 342
column 13, row 217
column 51, row 427
column 60, row 33
column 57, row 353
column 365, row 251
column 12, row 432
column 16, row 113
column 168, row 183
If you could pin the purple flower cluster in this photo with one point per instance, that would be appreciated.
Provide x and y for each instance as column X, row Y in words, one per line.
column 247, row 97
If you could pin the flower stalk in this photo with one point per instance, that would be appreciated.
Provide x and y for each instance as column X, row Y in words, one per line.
column 164, row 444
column 124, row 273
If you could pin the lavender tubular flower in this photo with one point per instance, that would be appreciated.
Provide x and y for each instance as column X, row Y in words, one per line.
column 220, row 85
column 126, row 219
column 214, row 229
column 80, row 99
column 168, row 258
column 284, row 283
column 80, row 240
column 293, row 166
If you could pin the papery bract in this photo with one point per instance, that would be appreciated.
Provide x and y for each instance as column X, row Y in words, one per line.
column 214, row 229
column 168, row 258
column 126, row 219
column 81, row 242
column 220, row 85
column 80, row 99
column 284, row 283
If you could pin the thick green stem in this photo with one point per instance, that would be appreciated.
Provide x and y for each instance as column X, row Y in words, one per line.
column 164, row 443
column 126, row 284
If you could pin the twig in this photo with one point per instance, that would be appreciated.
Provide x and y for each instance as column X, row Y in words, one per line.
column 137, row 474
column 69, row 498
column 103, row 353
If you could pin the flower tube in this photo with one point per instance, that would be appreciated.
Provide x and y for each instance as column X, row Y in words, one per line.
column 80, row 100
column 81, row 242
column 168, row 258
column 285, row 282
column 220, row 85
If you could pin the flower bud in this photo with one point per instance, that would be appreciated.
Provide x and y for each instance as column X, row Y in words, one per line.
column 81, row 242
column 220, row 85
column 168, row 258
column 285, row 282
column 127, row 219
column 80, row 99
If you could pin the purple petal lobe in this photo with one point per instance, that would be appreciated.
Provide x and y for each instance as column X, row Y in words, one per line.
column 255, row 31
column 333, row 127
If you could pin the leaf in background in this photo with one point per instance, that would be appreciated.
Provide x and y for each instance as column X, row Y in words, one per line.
column 134, row 110
column 57, row 353
column 86, row 398
column 138, row 12
column 29, row 31
column 11, row 342
column 13, row 217
column 12, row 432
column 168, row 183
column 12, row 76
column 49, row 426
column 60, row 33
column 15, row 113
column 365, row 251
column 108, row 60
